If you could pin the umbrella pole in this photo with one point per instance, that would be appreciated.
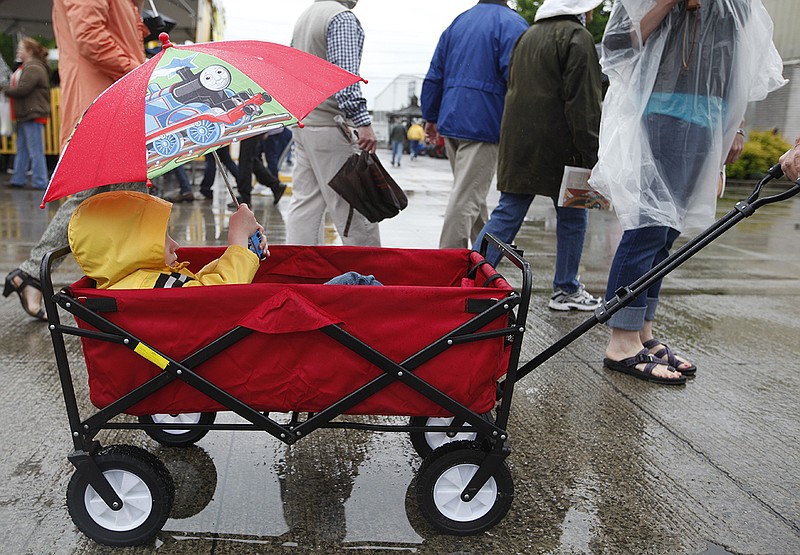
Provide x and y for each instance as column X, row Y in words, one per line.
column 225, row 178
column 254, row 242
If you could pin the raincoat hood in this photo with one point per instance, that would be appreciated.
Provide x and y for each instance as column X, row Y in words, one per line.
column 116, row 233
column 554, row 8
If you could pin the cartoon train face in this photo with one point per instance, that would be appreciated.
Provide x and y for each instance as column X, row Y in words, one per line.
column 197, row 111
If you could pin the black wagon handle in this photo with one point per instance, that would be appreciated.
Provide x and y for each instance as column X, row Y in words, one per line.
column 753, row 202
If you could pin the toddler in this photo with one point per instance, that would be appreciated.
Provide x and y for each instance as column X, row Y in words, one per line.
column 120, row 240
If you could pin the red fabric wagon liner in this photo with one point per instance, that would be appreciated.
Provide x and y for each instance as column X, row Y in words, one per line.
column 289, row 364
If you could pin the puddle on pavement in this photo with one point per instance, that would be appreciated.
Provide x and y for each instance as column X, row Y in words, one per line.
column 334, row 487
column 580, row 524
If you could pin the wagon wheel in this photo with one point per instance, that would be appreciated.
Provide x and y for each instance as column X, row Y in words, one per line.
column 178, row 438
column 143, row 484
column 425, row 442
column 442, row 478
column 167, row 145
column 204, row 132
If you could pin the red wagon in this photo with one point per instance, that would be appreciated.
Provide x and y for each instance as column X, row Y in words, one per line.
column 430, row 344
column 440, row 343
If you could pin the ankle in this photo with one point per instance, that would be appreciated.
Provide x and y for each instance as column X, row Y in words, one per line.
column 623, row 344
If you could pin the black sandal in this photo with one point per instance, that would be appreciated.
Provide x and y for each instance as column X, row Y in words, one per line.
column 666, row 354
column 628, row 366
column 26, row 281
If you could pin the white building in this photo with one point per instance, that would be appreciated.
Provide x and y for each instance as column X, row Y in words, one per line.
column 396, row 96
column 781, row 109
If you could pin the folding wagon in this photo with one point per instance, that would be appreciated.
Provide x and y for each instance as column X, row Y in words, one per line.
column 439, row 343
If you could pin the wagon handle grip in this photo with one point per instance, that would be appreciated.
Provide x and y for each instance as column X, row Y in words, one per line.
column 753, row 202
column 775, row 172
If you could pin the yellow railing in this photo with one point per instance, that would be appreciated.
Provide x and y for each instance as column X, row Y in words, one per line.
column 52, row 131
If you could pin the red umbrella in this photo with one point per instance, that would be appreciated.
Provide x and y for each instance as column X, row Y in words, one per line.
column 186, row 102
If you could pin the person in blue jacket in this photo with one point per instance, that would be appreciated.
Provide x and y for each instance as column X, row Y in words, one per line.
column 462, row 99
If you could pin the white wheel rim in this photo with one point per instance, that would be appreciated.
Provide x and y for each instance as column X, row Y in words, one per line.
column 188, row 418
column 437, row 439
column 447, row 494
column 137, row 502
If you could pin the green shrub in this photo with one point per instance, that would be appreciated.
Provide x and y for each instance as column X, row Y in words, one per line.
column 760, row 153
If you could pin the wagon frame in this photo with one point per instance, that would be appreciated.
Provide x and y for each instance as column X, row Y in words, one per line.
column 484, row 497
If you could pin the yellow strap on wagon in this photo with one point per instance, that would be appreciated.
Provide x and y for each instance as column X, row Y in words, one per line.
column 144, row 351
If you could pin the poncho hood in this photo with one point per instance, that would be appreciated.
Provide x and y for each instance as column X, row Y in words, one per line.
column 116, row 233
column 554, row 8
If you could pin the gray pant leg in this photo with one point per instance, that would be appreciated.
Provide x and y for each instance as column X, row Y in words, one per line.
column 55, row 235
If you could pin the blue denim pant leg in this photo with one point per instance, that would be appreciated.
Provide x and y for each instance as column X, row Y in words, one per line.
column 183, row 180
column 22, row 159
column 570, row 233
column 39, row 179
column 30, row 150
column 679, row 149
column 353, row 278
column 639, row 251
column 504, row 223
column 397, row 152
column 209, row 173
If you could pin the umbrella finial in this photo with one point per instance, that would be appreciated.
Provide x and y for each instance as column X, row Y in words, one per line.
column 165, row 43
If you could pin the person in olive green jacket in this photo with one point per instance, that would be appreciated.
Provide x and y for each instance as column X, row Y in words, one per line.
column 551, row 120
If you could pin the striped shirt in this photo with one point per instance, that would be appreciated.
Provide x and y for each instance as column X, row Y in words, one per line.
column 168, row 281
column 345, row 43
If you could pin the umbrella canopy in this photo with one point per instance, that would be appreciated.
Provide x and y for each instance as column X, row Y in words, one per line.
column 186, row 102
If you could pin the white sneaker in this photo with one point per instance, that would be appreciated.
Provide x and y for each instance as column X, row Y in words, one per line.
column 579, row 300
column 260, row 190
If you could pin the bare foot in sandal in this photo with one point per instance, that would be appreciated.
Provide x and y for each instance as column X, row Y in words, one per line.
column 660, row 350
column 626, row 353
column 29, row 292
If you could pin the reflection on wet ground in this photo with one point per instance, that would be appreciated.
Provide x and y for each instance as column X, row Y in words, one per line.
column 601, row 463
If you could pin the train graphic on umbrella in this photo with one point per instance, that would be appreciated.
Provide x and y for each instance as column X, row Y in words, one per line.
column 201, row 111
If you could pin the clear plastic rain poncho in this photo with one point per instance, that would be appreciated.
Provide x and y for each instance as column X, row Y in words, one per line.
column 674, row 105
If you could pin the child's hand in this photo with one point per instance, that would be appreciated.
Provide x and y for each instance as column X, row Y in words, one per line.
column 242, row 226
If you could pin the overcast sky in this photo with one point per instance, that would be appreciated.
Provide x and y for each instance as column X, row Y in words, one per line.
column 400, row 34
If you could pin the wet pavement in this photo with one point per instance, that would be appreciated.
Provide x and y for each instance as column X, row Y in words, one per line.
column 601, row 462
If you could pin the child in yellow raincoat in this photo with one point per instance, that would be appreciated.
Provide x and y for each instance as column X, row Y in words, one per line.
column 120, row 240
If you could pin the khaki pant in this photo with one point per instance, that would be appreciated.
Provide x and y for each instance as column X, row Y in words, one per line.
column 319, row 153
column 474, row 166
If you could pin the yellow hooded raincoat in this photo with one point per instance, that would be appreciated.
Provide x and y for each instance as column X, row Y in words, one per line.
column 118, row 240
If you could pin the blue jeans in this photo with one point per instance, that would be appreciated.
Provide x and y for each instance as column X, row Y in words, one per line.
column 413, row 147
column 679, row 150
column 506, row 221
column 183, row 179
column 274, row 145
column 353, row 278
column 397, row 152
column 30, row 149
column 639, row 250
